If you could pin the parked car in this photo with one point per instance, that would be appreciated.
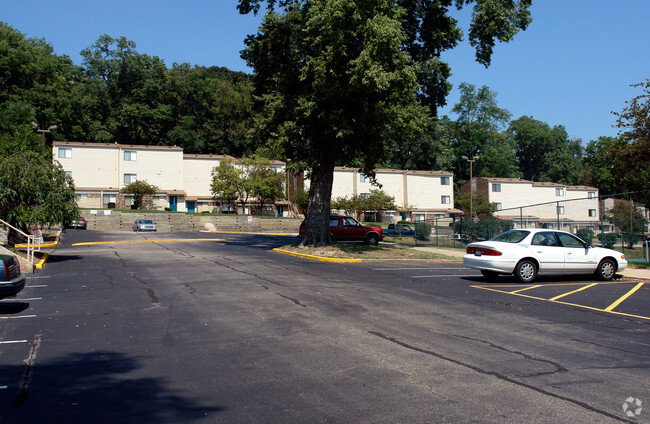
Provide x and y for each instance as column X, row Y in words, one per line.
column 11, row 280
column 528, row 252
column 345, row 228
column 464, row 238
column 79, row 223
column 397, row 230
column 144, row 225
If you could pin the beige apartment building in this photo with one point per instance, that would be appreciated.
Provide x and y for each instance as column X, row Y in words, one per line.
column 540, row 204
column 99, row 170
column 419, row 195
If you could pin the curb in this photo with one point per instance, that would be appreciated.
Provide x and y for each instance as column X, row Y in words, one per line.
column 317, row 258
column 41, row 263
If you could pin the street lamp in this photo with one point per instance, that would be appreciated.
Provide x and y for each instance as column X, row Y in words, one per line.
column 471, row 185
column 50, row 128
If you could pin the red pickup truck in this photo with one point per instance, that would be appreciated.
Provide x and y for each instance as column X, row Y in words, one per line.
column 345, row 228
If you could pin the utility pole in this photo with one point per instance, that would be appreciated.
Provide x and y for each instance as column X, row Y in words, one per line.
column 471, row 184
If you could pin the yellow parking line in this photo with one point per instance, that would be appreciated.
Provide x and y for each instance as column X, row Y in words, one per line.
column 553, row 299
column 622, row 298
column 92, row 243
column 559, row 302
column 526, row 288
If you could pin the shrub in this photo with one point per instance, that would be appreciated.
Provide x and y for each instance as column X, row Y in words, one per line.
column 609, row 240
column 586, row 234
column 422, row 231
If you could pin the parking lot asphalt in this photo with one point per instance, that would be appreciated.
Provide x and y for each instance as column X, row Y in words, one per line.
column 210, row 328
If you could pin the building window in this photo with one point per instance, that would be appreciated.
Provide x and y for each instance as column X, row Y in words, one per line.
column 128, row 201
column 445, row 200
column 109, row 198
column 496, row 188
column 592, row 212
column 560, row 210
column 68, row 174
column 419, row 217
column 81, row 195
column 364, row 195
column 499, row 206
column 559, row 191
column 591, row 195
column 129, row 178
column 363, row 178
column 444, row 180
column 65, row 152
column 159, row 198
column 130, row 155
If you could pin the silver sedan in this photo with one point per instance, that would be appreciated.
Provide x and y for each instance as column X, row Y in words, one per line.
column 144, row 225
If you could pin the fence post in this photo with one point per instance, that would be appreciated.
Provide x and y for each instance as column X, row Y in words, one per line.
column 602, row 222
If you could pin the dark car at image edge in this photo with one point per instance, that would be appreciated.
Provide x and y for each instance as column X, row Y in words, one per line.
column 348, row 229
column 11, row 280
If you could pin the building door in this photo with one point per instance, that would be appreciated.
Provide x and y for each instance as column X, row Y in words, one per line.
column 280, row 211
column 191, row 206
column 173, row 202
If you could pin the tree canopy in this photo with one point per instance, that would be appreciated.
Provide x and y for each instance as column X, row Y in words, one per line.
column 346, row 81
column 139, row 189
column 33, row 190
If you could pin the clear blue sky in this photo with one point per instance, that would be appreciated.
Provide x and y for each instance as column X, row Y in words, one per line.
column 572, row 67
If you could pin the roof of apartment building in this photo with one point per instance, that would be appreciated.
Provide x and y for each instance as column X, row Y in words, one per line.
column 537, row 183
column 395, row 171
column 114, row 145
column 198, row 156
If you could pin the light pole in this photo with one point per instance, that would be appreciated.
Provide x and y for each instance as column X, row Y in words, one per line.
column 471, row 185
column 50, row 128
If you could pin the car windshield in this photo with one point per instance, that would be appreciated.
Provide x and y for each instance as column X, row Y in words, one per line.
column 512, row 236
column 146, row 221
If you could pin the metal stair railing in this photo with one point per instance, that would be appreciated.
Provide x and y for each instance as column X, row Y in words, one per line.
column 29, row 241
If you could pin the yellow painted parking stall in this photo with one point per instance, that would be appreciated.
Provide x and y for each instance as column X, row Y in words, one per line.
column 624, row 298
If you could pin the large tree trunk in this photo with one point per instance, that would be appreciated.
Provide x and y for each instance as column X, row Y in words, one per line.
column 317, row 220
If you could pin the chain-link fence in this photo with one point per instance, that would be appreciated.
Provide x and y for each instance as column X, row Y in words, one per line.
column 630, row 236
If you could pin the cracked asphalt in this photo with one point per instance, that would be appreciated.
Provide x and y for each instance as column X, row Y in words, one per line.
column 228, row 331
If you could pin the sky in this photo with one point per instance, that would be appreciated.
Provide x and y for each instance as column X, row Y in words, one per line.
column 573, row 66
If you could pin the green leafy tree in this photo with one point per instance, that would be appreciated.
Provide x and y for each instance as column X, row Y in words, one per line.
column 477, row 133
column 342, row 81
column 626, row 216
column 544, row 153
column 139, row 189
column 479, row 203
column 598, row 170
column 33, row 190
column 267, row 184
column 229, row 182
column 377, row 201
column 630, row 152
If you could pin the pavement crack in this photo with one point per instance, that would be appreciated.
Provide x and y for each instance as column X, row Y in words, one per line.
column 496, row 375
column 611, row 347
column 558, row 368
column 291, row 299
column 21, row 397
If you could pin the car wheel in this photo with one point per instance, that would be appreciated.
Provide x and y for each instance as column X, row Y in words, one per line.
column 490, row 275
column 526, row 271
column 372, row 239
column 606, row 269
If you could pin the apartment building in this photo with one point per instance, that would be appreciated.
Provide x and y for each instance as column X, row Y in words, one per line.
column 419, row 195
column 539, row 204
column 99, row 170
